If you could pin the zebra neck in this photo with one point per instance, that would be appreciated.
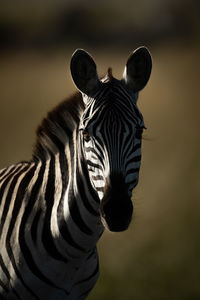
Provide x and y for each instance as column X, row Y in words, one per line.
column 72, row 206
column 86, row 199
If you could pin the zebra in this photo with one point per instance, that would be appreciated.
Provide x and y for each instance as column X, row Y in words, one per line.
column 79, row 181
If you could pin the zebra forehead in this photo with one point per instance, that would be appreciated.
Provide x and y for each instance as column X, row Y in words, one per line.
column 112, row 118
column 112, row 102
column 112, row 106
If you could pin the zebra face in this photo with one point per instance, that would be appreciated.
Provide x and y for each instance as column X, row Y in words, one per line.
column 111, row 139
column 110, row 132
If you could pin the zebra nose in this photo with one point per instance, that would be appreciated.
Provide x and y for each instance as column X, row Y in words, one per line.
column 116, row 217
column 116, row 207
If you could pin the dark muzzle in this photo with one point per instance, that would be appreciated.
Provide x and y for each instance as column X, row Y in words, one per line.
column 116, row 207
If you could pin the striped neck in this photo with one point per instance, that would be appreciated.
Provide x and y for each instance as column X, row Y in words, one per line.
column 72, row 206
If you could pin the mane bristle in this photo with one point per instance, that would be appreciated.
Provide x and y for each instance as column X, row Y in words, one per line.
column 108, row 77
column 109, row 73
column 63, row 118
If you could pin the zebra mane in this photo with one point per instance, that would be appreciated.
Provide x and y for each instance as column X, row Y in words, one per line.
column 108, row 77
column 57, row 127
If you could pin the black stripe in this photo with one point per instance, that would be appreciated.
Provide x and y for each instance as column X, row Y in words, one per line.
column 84, row 197
column 76, row 216
column 61, row 121
column 84, row 187
column 132, row 183
column 47, row 237
column 4, row 288
column 136, row 147
column 24, row 247
column 97, row 155
column 100, row 189
column 123, row 94
column 56, row 141
column 3, row 175
column 5, row 271
column 3, row 171
column 99, row 146
column 132, row 171
column 98, row 177
column 131, row 158
column 4, row 185
column 64, row 172
column 136, row 158
column 34, row 226
column 9, row 196
column 67, row 235
column 90, row 149
column 91, row 164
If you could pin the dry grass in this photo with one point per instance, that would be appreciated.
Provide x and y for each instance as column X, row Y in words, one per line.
column 158, row 257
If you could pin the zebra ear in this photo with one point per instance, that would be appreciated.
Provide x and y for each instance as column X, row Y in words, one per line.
column 84, row 72
column 138, row 69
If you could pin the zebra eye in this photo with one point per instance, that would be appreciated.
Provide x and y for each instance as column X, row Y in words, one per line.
column 86, row 135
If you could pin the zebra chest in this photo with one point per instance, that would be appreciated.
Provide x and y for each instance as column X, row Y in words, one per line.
column 52, row 279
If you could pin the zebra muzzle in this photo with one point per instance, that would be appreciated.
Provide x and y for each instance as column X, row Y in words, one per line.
column 116, row 207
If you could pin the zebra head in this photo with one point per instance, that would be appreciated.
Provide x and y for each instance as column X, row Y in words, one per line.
column 110, row 132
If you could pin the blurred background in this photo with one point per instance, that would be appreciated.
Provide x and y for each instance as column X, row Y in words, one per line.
column 159, row 256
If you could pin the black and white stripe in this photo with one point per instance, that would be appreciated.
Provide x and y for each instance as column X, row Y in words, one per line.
column 85, row 165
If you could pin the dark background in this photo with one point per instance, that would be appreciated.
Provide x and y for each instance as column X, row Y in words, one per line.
column 158, row 257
